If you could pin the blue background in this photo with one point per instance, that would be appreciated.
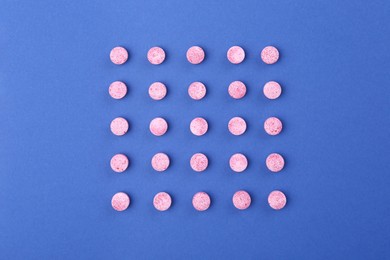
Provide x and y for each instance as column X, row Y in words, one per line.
column 55, row 144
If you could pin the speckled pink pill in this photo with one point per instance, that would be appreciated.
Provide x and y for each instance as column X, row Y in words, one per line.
column 237, row 126
column 158, row 126
column 237, row 89
column 120, row 201
column 270, row 55
column 199, row 126
column 275, row 162
column 157, row 91
column 195, row 55
column 201, row 201
column 156, row 55
column 197, row 90
column 236, row 54
column 199, row 162
column 238, row 162
column 241, row 200
column 273, row 126
column 277, row 200
column 272, row 90
column 160, row 162
column 119, row 126
column 119, row 55
column 162, row 201
column 117, row 89
column 119, row 163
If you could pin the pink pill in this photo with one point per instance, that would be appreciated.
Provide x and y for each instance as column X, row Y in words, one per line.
column 241, row 200
column 156, row 55
column 272, row 90
column 275, row 162
column 236, row 54
column 199, row 126
column 201, row 201
column 119, row 163
column 238, row 162
column 120, row 201
column 195, row 55
column 273, row 126
column 277, row 200
column 270, row 55
column 237, row 89
column 197, row 90
column 158, row 126
column 199, row 162
column 117, row 89
column 237, row 126
column 160, row 162
column 119, row 55
column 119, row 126
column 157, row 91
column 162, row 201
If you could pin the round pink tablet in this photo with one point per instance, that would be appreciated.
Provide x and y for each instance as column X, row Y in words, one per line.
column 199, row 126
column 119, row 55
column 197, row 90
column 241, row 200
column 162, row 201
column 272, row 90
column 158, row 126
column 273, row 126
column 195, row 55
column 237, row 126
column 201, row 201
column 120, row 201
column 237, row 89
column 277, row 200
column 117, row 89
column 274, row 162
column 160, row 162
column 119, row 126
column 238, row 162
column 199, row 162
column 270, row 55
column 156, row 55
column 157, row 91
column 119, row 163
column 236, row 54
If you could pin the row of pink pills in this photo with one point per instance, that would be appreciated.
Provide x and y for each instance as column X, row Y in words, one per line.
column 201, row 201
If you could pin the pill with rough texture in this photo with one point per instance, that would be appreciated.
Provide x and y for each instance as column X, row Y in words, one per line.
column 272, row 90
column 273, row 126
column 241, row 200
column 119, row 163
column 195, row 55
column 236, row 54
column 119, row 126
column 199, row 162
column 158, row 126
column 117, row 89
column 237, row 126
column 160, row 162
column 157, row 91
column 270, row 55
column 201, row 201
column 238, row 162
column 237, row 89
column 119, row 55
column 277, row 200
column 199, row 126
column 162, row 201
column 275, row 162
column 120, row 201
column 156, row 55
column 197, row 90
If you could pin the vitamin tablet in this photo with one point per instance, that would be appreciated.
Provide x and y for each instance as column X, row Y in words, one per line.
column 117, row 89
column 201, row 201
column 236, row 54
column 270, row 55
column 157, row 91
column 272, row 90
column 195, row 55
column 158, row 126
column 238, row 162
column 199, row 162
column 156, row 55
column 160, row 162
column 237, row 89
column 197, row 90
column 274, row 162
column 277, row 200
column 237, row 126
column 162, row 201
column 273, row 126
column 241, row 200
column 199, row 126
column 120, row 201
column 119, row 55
column 119, row 163
column 119, row 126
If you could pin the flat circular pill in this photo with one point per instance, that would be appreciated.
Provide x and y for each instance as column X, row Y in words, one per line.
column 119, row 163
column 277, row 200
column 236, row 54
column 156, row 55
column 120, row 201
column 157, row 91
column 199, row 162
column 119, row 126
column 160, row 162
column 270, row 55
column 273, row 126
column 197, row 90
column 158, row 126
column 162, row 201
column 275, row 162
column 241, row 200
column 195, row 55
column 117, row 89
column 272, row 90
column 238, row 162
column 199, row 126
column 237, row 89
column 237, row 126
column 201, row 201
column 119, row 55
